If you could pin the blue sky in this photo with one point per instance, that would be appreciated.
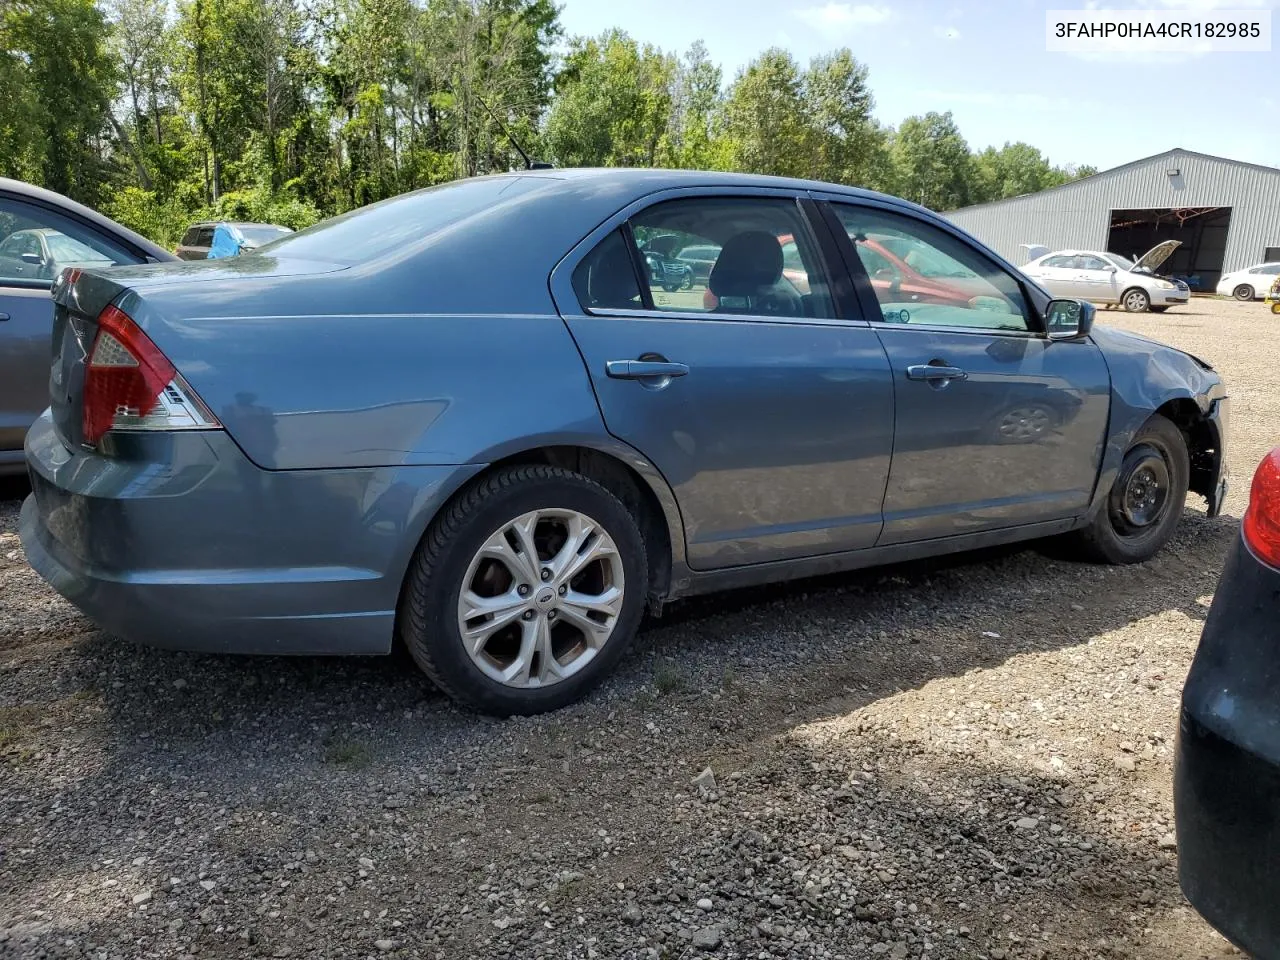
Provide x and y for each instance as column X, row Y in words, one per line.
column 986, row 62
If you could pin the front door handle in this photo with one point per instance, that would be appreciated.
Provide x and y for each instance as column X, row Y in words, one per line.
column 928, row 371
column 644, row 369
column 4, row 316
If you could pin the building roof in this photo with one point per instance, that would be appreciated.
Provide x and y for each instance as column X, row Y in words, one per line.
column 1101, row 174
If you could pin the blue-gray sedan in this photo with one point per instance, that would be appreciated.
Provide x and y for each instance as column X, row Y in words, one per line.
column 471, row 418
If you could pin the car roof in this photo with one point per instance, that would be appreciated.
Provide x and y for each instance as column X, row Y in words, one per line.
column 29, row 191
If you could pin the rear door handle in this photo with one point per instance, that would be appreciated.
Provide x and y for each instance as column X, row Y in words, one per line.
column 644, row 369
column 4, row 316
column 927, row 371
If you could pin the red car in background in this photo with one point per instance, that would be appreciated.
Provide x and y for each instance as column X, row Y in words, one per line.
column 893, row 278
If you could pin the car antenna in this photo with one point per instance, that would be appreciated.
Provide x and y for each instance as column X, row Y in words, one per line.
column 528, row 164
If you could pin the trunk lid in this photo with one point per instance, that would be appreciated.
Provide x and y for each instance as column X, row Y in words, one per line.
column 80, row 296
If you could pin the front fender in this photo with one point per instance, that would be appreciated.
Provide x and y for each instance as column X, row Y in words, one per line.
column 1148, row 378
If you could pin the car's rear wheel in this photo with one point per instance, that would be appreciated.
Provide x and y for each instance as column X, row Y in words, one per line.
column 1243, row 292
column 525, row 591
column 1136, row 300
column 1146, row 500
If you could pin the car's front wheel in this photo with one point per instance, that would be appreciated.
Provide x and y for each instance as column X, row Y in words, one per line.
column 1136, row 300
column 525, row 591
column 1243, row 292
column 1146, row 500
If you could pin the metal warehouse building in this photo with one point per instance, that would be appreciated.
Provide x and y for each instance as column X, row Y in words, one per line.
column 1226, row 213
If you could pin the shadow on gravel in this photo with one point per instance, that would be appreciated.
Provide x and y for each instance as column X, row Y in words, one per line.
column 726, row 673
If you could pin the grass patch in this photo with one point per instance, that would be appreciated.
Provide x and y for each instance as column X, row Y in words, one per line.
column 669, row 679
column 350, row 754
column 17, row 724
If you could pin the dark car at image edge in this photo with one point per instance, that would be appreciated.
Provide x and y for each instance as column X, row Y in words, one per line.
column 1227, row 763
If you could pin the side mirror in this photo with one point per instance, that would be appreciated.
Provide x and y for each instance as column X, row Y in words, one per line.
column 33, row 258
column 1068, row 319
column 1111, row 268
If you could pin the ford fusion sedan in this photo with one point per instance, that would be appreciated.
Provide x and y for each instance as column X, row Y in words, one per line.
column 40, row 233
column 1110, row 278
column 1249, row 283
column 1227, row 763
column 468, row 418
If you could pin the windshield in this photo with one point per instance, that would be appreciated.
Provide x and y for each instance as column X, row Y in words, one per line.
column 1124, row 263
column 68, row 250
column 258, row 235
column 382, row 228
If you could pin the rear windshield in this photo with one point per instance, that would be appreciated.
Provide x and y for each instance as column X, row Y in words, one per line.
column 381, row 228
column 260, row 235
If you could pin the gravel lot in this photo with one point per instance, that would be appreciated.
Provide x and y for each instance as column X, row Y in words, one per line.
column 963, row 759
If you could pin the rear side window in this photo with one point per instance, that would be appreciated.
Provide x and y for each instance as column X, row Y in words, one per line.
column 756, row 257
column 606, row 278
column 189, row 238
column 204, row 237
column 1061, row 263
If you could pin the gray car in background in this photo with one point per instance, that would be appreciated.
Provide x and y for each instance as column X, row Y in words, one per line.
column 201, row 238
column 466, row 418
column 40, row 233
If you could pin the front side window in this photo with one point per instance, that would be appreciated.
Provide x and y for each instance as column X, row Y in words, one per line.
column 36, row 243
column 954, row 284
column 1090, row 263
column 731, row 255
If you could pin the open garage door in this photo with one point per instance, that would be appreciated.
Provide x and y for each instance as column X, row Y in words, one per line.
column 1201, row 230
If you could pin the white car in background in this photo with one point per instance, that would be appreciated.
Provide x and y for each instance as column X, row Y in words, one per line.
column 1249, row 283
column 1110, row 278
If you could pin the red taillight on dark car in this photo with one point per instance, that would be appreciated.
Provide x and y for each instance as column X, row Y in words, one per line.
column 129, row 384
column 1262, row 519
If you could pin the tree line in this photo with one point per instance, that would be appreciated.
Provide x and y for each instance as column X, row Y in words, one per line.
column 160, row 112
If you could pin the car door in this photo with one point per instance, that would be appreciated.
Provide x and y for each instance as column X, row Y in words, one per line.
column 1094, row 279
column 765, row 401
column 1056, row 274
column 26, row 312
column 995, row 424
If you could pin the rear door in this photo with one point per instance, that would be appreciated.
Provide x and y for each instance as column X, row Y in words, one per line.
column 26, row 314
column 995, row 425
column 1056, row 274
column 765, row 399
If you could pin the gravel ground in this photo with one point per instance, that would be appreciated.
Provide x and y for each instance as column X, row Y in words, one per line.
column 968, row 759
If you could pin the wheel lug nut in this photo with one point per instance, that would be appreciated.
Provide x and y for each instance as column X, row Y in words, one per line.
column 546, row 574
column 551, row 614
column 528, row 614
column 563, row 589
column 523, row 590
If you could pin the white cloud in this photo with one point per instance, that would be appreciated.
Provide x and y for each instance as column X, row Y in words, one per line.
column 947, row 33
column 842, row 16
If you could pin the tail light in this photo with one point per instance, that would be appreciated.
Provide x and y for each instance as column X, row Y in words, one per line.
column 130, row 385
column 1262, row 519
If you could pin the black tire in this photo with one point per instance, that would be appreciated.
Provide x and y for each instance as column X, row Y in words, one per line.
column 1112, row 537
column 1243, row 292
column 428, row 621
column 670, row 287
column 1135, row 300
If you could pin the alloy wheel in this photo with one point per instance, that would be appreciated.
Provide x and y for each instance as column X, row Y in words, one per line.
column 1135, row 301
column 541, row 598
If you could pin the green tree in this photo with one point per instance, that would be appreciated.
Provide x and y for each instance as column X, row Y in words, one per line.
column 1013, row 170
column 66, row 78
column 614, row 104
column 931, row 162
column 767, row 119
column 848, row 145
